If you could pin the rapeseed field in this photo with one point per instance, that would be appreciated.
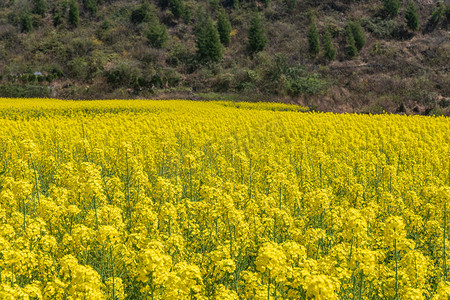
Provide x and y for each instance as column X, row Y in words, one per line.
column 216, row 200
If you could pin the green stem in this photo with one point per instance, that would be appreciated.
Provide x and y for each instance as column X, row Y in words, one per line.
column 396, row 270
column 445, row 233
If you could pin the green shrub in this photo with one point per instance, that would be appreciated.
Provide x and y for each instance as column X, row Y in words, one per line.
column 447, row 12
column 49, row 78
column 180, row 54
column 80, row 46
column 176, row 7
column 290, row 5
column 391, row 7
column 157, row 35
column 310, row 84
column 91, row 6
column 57, row 72
column 171, row 78
column 121, row 75
column 24, row 91
column 381, row 28
column 78, row 68
column 436, row 16
column 214, row 4
column 156, row 81
column 144, row 13
column 40, row 7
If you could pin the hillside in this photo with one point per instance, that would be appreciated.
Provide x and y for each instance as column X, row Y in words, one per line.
column 90, row 49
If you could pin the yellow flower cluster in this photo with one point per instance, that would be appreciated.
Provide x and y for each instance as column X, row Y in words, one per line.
column 190, row 200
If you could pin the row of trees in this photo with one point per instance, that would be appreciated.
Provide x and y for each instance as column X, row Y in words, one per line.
column 355, row 36
column 210, row 38
column 40, row 8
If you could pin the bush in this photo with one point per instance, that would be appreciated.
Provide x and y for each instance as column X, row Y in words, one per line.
column 78, row 68
column 157, row 35
column 80, row 46
column 290, row 5
column 381, row 28
column 447, row 12
column 310, row 84
column 24, row 91
column 180, row 54
column 244, row 79
column 122, row 75
column 436, row 16
column 90, row 6
column 145, row 13
column 40, row 7
column 391, row 7
column 171, row 78
column 176, row 7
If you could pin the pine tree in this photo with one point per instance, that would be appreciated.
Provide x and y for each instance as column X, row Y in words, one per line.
column 352, row 51
column 436, row 16
column 157, row 34
column 313, row 40
column 412, row 16
column 57, row 19
column 236, row 4
column 91, row 6
column 391, row 7
column 40, row 7
column 257, row 39
column 224, row 28
column 330, row 50
column 358, row 34
column 447, row 13
column 176, row 7
column 187, row 15
column 26, row 23
column 290, row 5
column 209, row 48
column 142, row 14
column 74, row 13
